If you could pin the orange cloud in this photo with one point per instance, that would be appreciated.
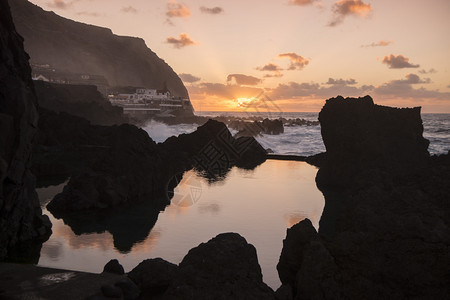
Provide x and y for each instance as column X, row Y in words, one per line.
column 176, row 10
column 301, row 2
column 182, row 41
column 242, row 79
column 189, row 78
column 398, row 62
column 269, row 67
column 226, row 91
column 297, row 62
column 403, row 89
column 344, row 8
column 341, row 81
column 378, row 44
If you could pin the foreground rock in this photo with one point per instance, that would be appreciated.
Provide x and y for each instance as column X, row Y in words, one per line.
column 22, row 281
column 21, row 218
column 385, row 229
column 226, row 267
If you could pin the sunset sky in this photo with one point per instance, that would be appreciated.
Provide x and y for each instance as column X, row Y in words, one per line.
column 294, row 54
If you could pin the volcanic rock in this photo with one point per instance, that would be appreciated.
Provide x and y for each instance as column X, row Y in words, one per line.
column 385, row 229
column 21, row 218
column 83, row 101
column 113, row 266
column 226, row 267
column 153, row 276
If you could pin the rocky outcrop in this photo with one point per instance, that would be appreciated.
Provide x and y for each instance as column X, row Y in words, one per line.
column 266, row 126
column 67, row 45
column 113, row 266
column 358, row 134
column 385, row 230
column 226, row 267
column 212, row 149
column 130, row 168
column 153, row 276
column 21, row 218
column 83, row 101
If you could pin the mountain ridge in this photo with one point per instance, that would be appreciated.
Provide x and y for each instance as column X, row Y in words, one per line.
column 65, row 44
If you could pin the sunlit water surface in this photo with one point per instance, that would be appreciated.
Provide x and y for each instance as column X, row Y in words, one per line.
column 260, row 205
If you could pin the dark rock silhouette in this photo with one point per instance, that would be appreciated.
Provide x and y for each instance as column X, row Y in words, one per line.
column 385, row 230
column 256, row 127
column 113, row 266
column 67, row 45
column 131, row 170
column 83, row 101
column 153, row 276
column 212, row 150
column 226, row 267
column 358, row 134
column 21, row 219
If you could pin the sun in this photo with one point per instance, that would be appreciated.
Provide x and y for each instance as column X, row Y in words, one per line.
column 243, row 102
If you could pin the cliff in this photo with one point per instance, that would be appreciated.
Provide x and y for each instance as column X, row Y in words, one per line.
column 79, row 100
column 80, row 48
column 21, row 218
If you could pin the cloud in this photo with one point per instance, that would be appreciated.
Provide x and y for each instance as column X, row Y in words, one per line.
column 189, row 77
column 297, row 62
column 177, row 10
column 403, row 89
column 129, row 9
column 410, row 79
column 182, row 41
column 301, row 2
column 226, row 91
column 398, row 62
column 61, row 4
column 273, row 75
column 378, row 44
column 341, row 81
column 295, row 90
column 88, row 13
column 343, row 8
column 430, row 71
column 242, row 79
column 212, row 11
column 270, row 67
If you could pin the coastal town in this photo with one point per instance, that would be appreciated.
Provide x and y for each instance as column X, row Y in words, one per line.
column 151, row 101
column 143, row 102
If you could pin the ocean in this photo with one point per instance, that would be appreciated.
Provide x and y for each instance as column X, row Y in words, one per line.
column 304, row 140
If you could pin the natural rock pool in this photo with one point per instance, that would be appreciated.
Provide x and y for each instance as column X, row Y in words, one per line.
column 259, row 204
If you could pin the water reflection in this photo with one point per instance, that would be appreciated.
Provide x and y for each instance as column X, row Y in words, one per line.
column 128, row 226
column 260, row 205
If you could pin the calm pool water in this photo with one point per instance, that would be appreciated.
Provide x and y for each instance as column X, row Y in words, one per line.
column 259, row 204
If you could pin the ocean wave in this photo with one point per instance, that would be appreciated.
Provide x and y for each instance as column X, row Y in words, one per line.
column 307, row 140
